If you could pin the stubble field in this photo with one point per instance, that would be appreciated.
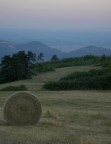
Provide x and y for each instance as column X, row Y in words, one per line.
column 68, row 117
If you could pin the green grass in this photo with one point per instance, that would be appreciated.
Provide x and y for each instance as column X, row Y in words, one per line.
column 68, row 117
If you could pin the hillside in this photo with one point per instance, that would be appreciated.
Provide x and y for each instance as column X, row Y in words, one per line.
column 38, row 81
column 9, row 48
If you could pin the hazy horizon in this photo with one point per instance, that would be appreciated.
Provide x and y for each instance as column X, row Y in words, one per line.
column 65, row 40
column 63, row 24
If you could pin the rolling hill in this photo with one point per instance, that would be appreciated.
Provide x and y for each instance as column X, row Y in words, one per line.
column 90, row 50
column 9, row 48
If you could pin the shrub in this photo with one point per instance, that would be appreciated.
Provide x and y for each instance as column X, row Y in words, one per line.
column 94, row 79
column 15, row 88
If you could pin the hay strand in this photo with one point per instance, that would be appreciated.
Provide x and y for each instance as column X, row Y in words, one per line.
column 22, row 108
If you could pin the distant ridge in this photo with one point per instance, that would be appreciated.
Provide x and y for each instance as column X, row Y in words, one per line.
column 9, row 48
column 90, row 50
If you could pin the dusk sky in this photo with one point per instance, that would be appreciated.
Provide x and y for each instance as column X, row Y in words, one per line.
column 69, row 14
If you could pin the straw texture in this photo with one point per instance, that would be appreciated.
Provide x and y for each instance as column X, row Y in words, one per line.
column 22, row 108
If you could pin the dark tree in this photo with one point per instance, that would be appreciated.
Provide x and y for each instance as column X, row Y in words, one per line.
column 54, row 58
column 16, row 67
column 41, row 57
column 31, row 59
column 5, row 73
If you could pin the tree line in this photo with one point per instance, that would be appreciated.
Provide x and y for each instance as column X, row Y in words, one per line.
column 21, row 66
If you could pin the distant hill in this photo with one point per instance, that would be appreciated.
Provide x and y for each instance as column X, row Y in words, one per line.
column 9, row 48
column 90, row 50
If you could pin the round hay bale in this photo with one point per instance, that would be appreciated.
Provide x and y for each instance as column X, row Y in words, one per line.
column 22, row 108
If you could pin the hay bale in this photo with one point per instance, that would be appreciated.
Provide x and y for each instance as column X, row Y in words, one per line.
column 22, row 108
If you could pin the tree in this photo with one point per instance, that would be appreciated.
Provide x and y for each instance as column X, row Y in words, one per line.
column 31, row 58
column 103, row 57
column 5, row 72
column 20, row 65
column 54, row 58
column 41, row 57
column 16, row 67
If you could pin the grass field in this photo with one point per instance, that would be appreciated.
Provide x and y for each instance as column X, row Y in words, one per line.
column 68, row 117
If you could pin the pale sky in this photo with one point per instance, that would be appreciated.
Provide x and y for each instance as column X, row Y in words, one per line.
column 70, row 14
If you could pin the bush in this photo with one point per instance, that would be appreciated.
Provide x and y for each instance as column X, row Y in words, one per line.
column 77, row 61
column 94, row 79
column 15, row 88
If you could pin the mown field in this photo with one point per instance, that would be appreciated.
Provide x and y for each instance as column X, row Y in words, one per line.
column 68, row 117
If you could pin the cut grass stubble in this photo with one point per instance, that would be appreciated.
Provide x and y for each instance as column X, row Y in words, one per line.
column 68, row 117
